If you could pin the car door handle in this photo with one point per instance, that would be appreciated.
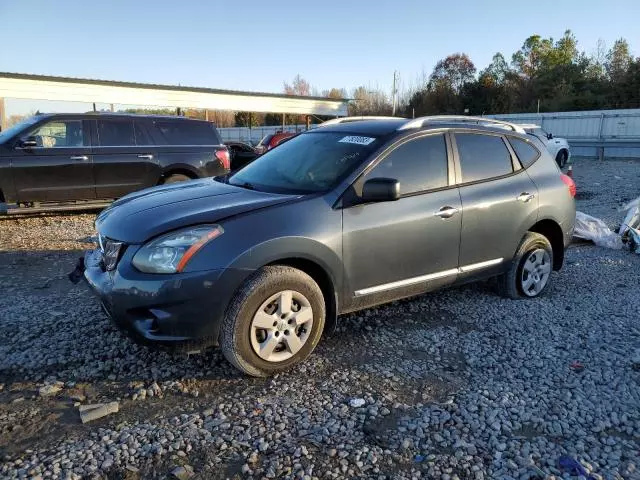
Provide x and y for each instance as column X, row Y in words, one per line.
column 146, row 156
column 526, row 197
column 446, row 212
column 83, row 158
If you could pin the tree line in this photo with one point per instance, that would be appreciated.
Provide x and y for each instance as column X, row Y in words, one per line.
column 544, row 75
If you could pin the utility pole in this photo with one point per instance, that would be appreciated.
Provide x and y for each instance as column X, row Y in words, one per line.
column 394, row 93
column 538, row 106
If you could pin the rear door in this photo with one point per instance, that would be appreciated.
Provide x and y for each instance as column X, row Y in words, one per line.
column 392, row 249
column 188, row 147
column 499, row 202
column 59, row 167
column 125, row 158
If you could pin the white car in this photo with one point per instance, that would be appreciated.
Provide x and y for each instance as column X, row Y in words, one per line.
column 558, row 147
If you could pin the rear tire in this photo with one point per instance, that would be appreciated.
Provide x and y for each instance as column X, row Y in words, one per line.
column 175, row 178
column 530, row 271
column 561, row 158
column 290, row 299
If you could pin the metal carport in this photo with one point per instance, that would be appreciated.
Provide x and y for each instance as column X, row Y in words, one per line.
column 41, row 87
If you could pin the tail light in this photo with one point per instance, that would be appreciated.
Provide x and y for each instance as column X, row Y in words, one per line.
column 224, row 158
column 568, row 181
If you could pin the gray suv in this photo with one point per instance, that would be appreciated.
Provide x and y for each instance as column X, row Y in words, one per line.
column 355, row 213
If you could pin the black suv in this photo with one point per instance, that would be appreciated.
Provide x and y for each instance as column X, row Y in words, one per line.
column 62, row 158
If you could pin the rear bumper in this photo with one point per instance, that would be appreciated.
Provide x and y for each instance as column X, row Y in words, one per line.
column 184, row 308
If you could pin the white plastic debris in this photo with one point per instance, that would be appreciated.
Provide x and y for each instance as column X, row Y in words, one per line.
column 632, row 219
column 357, row 402
column 594, row 229
column 88, row 413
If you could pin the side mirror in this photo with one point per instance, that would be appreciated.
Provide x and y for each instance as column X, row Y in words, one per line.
column 549, row 136
column 28, row 142
column 381, row 190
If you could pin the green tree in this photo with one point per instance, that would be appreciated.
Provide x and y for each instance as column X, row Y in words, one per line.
column 618, row 60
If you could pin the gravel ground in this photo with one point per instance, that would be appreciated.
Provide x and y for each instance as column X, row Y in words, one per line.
column 457, row 384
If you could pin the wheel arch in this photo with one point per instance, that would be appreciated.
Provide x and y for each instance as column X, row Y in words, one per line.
column 553, row 232
column 320, row 275
column 178, row 170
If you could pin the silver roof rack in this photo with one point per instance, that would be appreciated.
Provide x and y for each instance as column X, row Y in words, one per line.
column 335, row 121
column 422, row 121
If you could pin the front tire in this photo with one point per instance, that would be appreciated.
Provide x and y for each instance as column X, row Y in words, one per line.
column 530, row 271
column 274, row 321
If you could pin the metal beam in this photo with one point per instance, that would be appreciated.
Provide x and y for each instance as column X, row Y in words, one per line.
column 38, row 87
column 3, row 115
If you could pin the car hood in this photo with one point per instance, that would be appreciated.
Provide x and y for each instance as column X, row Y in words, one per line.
column 142, row 215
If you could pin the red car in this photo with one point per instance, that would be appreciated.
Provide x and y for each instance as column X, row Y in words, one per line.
column 270, row 141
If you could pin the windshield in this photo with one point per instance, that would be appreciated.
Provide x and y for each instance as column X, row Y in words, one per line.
column 538, row 132
column 265, row 140
column 311, row 162
column 10, row 132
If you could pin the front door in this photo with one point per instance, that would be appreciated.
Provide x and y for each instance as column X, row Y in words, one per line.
column 125, row 160
column 499, row 203
column 59, row 167
column 392, row 249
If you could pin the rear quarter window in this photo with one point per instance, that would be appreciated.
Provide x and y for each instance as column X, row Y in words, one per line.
column 179, row 132
column 527, row 153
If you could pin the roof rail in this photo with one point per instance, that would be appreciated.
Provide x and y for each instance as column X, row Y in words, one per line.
column 421, row 121
column 335, row 121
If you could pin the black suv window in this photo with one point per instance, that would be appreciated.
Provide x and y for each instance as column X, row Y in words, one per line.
column 59, row 134
column 482, row 156
column 116, row 133
column 186, row 132
column 142, row 136
column 526, row 152
column 419, row 165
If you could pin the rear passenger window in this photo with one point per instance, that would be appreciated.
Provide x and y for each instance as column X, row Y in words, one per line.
column 116, row 133
column 185, row 132
column 142, row 136
column 526, row 152
column 482, row 156
column 418, row 165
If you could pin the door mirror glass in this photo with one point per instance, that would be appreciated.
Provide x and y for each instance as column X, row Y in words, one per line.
column 28, row 142
column 381, row 190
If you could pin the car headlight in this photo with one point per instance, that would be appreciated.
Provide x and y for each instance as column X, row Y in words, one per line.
column 170, row 253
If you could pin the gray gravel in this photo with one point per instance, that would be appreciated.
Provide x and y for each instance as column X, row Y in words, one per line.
column 453, row 385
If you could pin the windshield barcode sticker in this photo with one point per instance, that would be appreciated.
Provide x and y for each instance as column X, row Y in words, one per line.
column 356, row 139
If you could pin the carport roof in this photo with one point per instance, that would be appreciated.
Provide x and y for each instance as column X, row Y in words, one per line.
column 20, row 85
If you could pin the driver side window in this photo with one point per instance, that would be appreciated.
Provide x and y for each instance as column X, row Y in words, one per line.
column 59, row 134
column 419, row 165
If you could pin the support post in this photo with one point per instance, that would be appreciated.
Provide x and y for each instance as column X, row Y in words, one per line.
column 3, row 115
column 308, row 122
column 283, row 121
column 112, row 108
column 94, row 107
column 178, row 111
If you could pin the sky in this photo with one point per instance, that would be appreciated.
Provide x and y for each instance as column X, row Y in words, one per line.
column 256, row 45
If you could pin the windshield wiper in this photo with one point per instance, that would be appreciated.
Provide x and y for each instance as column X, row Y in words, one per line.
column 247, row 185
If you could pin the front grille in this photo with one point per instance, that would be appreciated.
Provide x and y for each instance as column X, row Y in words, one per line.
column 111, row 250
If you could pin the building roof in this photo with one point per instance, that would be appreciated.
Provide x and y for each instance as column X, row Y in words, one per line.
column 157, row 86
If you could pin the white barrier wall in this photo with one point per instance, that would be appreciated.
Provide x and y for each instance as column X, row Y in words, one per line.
column 619, row 130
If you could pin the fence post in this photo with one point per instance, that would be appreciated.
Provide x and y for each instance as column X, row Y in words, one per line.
column 600, row 127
